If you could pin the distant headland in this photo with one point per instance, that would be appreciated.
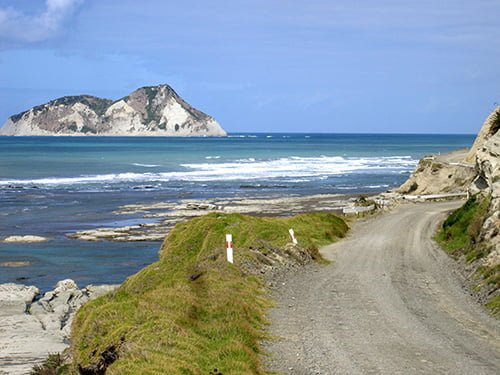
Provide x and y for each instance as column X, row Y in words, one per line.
column 148, row 111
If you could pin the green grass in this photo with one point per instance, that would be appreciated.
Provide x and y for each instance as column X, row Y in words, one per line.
column 86, row 129
column 494, row 306
column 458, row 234
column 496, row 123
column 151, row 93
column 54, row 364
column 192, row 312
column 98, row 105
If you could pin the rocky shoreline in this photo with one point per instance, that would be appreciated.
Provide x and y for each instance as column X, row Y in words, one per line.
column 169, row 214
column 33, row 326
column 24, row 239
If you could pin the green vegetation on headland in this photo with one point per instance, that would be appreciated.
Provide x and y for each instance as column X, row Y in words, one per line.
column 192, row 312
column 98, row 105
column 54, row 364
column 459, row 235
column 495, row 127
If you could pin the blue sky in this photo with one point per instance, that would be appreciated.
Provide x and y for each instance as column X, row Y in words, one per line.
column 265, row 65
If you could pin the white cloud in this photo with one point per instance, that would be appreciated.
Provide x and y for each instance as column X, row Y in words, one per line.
column 16, row 26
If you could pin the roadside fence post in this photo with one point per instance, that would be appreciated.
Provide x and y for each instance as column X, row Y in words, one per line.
column 229, row 247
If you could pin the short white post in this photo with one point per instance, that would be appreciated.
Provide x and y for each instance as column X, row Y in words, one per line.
column 229, row 247
column 294, row 240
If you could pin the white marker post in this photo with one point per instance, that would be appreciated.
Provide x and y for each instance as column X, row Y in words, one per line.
column 294, row 240
column 229, row 247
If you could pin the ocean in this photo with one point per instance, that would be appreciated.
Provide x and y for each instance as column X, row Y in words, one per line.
column 52, row 186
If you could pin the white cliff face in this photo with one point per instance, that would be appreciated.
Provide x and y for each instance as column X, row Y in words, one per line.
column 72, row 115
column 148, row 111
column 438, row 174
column 476, row 171
column 173, row 115
column 486, row 154
column 489, row 128
column 487, row 182
column 26, row 128
column 123, row 119
column 79, row 115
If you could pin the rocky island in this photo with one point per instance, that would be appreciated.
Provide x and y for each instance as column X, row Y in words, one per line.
column 148, row 111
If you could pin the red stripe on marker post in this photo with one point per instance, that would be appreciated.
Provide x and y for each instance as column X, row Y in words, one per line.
column 229, row 247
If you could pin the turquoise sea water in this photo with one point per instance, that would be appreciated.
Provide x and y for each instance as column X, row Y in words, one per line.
column 51, row 186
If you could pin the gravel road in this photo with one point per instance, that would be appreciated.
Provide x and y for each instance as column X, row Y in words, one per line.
column 391, row 303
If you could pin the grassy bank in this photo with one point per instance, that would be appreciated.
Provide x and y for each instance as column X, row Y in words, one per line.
column 192, row 312
column 459, row 236
column 460, row 231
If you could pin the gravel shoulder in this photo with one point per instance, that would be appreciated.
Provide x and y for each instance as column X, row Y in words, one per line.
column 391, row 303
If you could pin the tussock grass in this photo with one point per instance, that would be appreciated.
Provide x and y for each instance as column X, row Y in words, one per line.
column 54, row 364
column 494, row 306
column 459, row 236
column 459, row 233
column 192, row 312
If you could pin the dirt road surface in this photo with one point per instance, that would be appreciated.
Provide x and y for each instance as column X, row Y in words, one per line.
column 391, row 303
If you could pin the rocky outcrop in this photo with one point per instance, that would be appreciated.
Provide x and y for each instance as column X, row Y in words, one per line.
column 487, row 183
column 473, row 170
column 477, row 172
column 436, row 175
column 456, row 171
column 30, row 329
column 489, row 129
column 148, row 111
column 169, row 214
column 24, row 239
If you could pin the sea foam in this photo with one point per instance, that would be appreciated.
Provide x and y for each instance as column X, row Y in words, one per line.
column 292, row 168
column 146, row 165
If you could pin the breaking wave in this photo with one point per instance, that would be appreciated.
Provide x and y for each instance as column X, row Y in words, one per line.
column 290, row 168
column 146, row 165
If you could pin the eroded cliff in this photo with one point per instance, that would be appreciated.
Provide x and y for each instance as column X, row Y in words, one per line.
column 472, row 233
column 148, row 111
